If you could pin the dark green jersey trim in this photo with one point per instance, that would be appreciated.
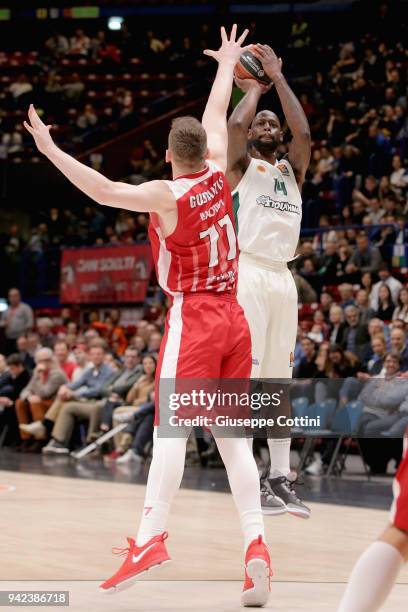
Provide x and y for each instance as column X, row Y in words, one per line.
column 235, row 206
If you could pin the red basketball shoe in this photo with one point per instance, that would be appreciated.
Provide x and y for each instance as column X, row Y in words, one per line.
column 138, row 561
column 258, row 572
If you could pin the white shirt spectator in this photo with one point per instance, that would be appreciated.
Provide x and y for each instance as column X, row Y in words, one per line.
column 79, row 44
column 18, row 319
column 325, row 164
column 399, row 178
column 394, row 286
column 57, row 44
column 78, row 372
column 74, row 88
column 88, row 118
column 20, row 87
column 375, row 213
column 401, row 314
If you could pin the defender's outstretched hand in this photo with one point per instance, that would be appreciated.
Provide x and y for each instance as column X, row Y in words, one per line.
column 272, row 64
column 153, row 196
column 39, row 131
column 231, row 49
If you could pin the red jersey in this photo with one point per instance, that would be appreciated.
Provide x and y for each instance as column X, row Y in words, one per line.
column 202, row 252
column 399, row 508
column 69, row 368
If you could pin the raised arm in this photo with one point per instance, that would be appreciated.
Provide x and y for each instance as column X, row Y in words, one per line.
column 300, row 146
column 215, row 114
column 148, row 197
column 238, row 126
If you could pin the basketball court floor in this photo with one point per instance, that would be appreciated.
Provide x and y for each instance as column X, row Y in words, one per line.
column 58, row 531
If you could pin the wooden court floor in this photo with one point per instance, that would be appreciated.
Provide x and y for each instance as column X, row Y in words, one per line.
column 57, row 533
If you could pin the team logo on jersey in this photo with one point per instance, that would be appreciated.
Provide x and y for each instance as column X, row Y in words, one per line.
column 283, row 169
column 268, row 202
column 280, row 187
column 261, row 168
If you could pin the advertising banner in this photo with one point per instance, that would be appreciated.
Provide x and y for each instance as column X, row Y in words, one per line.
column 105, row 275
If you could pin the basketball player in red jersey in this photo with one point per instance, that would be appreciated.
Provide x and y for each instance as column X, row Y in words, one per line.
column 195, row 249
column 377, row 569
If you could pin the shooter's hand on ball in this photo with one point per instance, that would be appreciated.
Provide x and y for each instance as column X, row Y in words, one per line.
column 230, row 50
column 246, row 84
column 39, row 131
column 272, row 64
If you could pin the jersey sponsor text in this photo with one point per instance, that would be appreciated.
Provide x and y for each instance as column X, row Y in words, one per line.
column 206, row 214
column 268, row 202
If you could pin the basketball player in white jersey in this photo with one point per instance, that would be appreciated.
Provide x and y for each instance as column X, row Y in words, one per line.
column 268, row 208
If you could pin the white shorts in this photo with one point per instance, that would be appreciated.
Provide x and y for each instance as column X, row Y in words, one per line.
column 268, row 295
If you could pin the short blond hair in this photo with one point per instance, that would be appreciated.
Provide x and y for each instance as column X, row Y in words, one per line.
column 187, row 141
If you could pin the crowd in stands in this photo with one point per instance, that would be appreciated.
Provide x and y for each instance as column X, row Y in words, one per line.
column 91, row 82
column 58, row 374
column 353, row 296
column 352, row 345
column 356, row 103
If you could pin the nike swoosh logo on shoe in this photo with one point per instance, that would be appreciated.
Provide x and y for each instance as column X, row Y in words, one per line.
column 137, row 558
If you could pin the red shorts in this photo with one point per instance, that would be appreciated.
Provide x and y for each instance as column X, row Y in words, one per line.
column 206, row 337
column 399, row 509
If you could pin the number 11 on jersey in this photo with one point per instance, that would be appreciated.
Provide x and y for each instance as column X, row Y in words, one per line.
column 214, row 235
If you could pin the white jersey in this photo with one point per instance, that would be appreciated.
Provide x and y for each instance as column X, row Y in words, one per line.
column 268, row 209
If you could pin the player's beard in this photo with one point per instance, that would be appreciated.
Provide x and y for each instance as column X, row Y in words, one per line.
column 263, row 147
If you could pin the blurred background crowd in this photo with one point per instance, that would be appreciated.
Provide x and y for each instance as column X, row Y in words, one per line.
column 94, row 84
column 58, row 374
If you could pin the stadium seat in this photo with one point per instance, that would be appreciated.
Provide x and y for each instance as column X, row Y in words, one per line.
column 354, row 411
column 299, row 406
column 346, row 423
column 325, row 410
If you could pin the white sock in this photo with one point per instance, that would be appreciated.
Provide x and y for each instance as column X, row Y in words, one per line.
column 279, row 451
column 252, row 526
column 243, row 478
column 372, row 578
column 165, row 474
column 153, row 521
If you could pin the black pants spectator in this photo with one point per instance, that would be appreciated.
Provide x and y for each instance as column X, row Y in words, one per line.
column 142, row 428
column 9, row 431
column 10, row 346
column 144, row 434
column 107, row 411
column 377, row 453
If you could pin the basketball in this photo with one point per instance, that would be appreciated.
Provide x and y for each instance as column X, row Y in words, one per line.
column 249, row 67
